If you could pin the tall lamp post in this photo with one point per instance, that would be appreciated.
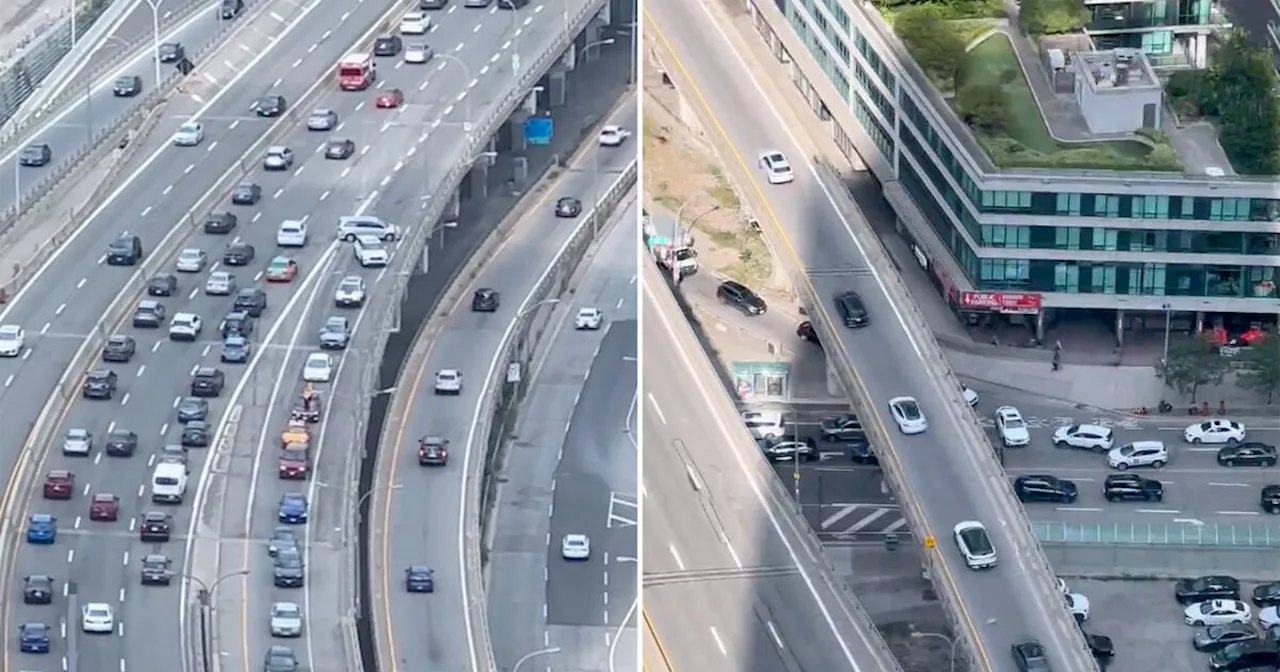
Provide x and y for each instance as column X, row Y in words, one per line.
column 155, row 35
column 1168, row 318
column 949, row 640
column 205, row 597
column 466, row 101
column 533, row 654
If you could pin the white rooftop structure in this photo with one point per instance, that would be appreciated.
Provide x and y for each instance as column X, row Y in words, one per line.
column 1117, row 90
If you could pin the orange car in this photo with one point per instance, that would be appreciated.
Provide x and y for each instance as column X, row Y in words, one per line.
column 282, row 269
column 390, row 98
column 295, row 433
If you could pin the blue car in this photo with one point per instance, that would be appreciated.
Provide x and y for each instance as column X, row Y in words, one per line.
column 292, row 509
column 42, row 528
column 34, row 638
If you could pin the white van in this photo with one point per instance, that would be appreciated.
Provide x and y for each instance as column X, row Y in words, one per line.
column 169, row 482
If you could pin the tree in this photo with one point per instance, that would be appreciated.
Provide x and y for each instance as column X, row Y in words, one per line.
column 1193, row 363
column 934, row 43
column 1052, row 17
column 1260, row 370
column 1244, row 82
column 984, row 106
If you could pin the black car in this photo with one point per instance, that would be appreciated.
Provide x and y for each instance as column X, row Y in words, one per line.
column 806, row 332
column 1101, row 646
column 122, row 443
column 1044, row 488
column 172, row 52
column 433, row 451
column 239, row 254
column 1267, row 594
column 220, row 223
column 236, row 323
column 279, row 659
column 37, row 589
column 251, row 300
column 1215, row 637
column 124, row 251
column 246, row 193
column 387, row 45
column 1205, row 588
column 270, row 106
column 288, row 571
column 196, row 434
column 786, row 449
column 119, row 349
column 100, row 384
column 1030, row 656
column 853, row 312
column 127, row 86
column 860, row 452
column 236, row 350
column 1248, row 454
column 842, row 428
column 155, row 526
column 149, row 314
column 162, row 284
column 35, row 156
column 1245, row 657
column 1131, row 487
column 485, row 300
column 231, row 9
column 568, row 207
column 512, row 4
column 208, row 382
column 155, row 570
column 339, row 148
column 737, row 295
column 191, row 409
column 432, row 4
column 419, row 579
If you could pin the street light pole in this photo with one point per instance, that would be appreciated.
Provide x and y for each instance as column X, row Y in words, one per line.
column 953, row 641
column 155, row 35
column 466, row 101
column 205, row 598
column 532, row 654
column 1168, row 318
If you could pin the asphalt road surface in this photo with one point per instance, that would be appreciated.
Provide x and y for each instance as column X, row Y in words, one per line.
column 93, row 557
column 729, row 582
column 468, row 343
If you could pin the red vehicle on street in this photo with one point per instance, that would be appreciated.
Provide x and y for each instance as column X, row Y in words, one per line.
column 295, row 462
column 59, row 484
column 104, row 506
column 356, row 72
column 389, row 99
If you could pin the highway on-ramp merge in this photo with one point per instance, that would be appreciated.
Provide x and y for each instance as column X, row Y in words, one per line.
column 468, row 342
column 1008, row 604
column 729, row 581
column 390, row 144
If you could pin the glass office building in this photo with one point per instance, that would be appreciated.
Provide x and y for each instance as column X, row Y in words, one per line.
column 1079, row 239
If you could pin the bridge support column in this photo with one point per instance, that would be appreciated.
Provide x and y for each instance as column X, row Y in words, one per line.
column 519, row 143
column 592, row 34
column 480, row 180
column 454, row 208
column 833, row 382
column 557, row 87
column 520, row 173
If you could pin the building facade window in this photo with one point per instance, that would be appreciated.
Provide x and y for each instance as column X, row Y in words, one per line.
column 1067, row 204
column 1006, row 236
column 872, row 91
column 877, row 64
column 995, row 201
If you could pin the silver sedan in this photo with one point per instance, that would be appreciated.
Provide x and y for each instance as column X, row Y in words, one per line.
column 192, row 260
column 220, row 283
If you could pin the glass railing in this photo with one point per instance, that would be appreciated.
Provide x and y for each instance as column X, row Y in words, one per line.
column 1238, row 535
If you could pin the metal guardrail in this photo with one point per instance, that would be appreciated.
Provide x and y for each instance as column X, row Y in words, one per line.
column 1224, row 535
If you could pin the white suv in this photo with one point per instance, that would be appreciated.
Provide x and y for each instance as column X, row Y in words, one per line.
column 185, row 327
column 1138, row 454
column 370, row 252
column 764, row 424
column 1013, row 429
column 351, row 227
column 1086, row 437
column 292, row 233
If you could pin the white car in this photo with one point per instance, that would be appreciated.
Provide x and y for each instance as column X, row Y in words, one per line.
column 1078, row 605
column 1269, row 617
column 575, row 547
column 78, row 442
column 1217, row 612
column 350, row 292
column 353, row 226
column 189, row 134
column 975, row 544
column 370, row 252
column 449, row 381
column 220, row 283
column 185, row 327
column 418, row 54
column 415, row 23
column 191, row 260
column 1086, row 437
column 1062, row 585
column 970, row 397
column 1138, row 454
column 318, row 368
column 906, row 412
column 1215, row 431
column 1013, row 429
column 286, row 620
column 292, row 233
column 588, row 318
column 776, row 167
column 12, row 340
column 97, row 617
column 764, row 424
column 613, row 136
column 278, row 158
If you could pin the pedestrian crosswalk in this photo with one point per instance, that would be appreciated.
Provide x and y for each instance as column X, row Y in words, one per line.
column 857, row 521
column 1038, row 422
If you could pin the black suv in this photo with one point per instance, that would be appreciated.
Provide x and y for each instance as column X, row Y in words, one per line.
column 162, row 284
column 155, row 570
column 387, row 45
column 239, row 254
column 1038, row 488
column 149, row 314
column 246, row 193
column 270, row 106
column 195, row 435
column 1030, row 656
column 37, row 589
column 172, row 52
column 100, row 384
column 124, row 251
column 231, row 9
column 739, row 296
column 853, row 312
column 1270, row 498
column 127, row 86
column 1131, row 487
column 251, row 300
column 785, row 449
column 220, row 222
column 122, row 443
column 288, row 571
column 208, row 382
column 155, row 526
column 485, row 300
column 236, row 323
column 119, row 349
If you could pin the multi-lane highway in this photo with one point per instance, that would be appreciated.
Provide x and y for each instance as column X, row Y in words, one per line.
column 382, row 179
column 730, row 582
column 468, row 342
column 997, row 608
column 580, row 481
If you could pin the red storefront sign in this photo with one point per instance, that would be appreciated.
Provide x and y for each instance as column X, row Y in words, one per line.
column 1001, row 302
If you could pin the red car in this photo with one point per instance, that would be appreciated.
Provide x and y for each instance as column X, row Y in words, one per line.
column 59, row 484
column 104, row 506
column 389, row 99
